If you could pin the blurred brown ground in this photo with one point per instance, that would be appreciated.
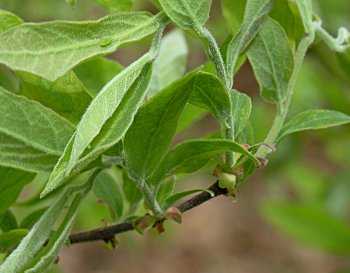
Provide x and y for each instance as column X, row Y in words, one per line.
column 219, row 236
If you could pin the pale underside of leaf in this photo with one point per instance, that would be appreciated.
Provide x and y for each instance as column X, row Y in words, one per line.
column 33, row 124
column 129, row 87
column 31, row 245
column 16, row 154
column 49, row 253
column 51, row 49
column 103, row 107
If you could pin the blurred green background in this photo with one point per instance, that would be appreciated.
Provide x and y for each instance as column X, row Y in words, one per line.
column 294, row 216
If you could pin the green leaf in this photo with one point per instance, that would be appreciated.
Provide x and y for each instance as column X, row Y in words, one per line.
column 115, row 6
column 272, row 60
column 188, row 14
column 165, row 190
column 241, row 108
column 106, row 104
column 11, row 183
column 20, row 114
column 170, row 64
column 8, row 79
column 233, row 11
column 48, row 254
column 305, row 9
column 247, row 134
column 16, row 154
column 33, row 243
column 118, row 124
column 96, row 73
column 189, row 116
column 8, row 221
column 210, row 93
column 153, row 128
column 107, row 190
column 106, row 120
column 190, row 153
column 254, row 16
column 42, row 46
column 310, row 224
column 313, row 119
column 66, row 96
column 130, row 189
column 177, row 196
column 291, row 24
column 11, row 238
column 8, row 20
column 32, row 218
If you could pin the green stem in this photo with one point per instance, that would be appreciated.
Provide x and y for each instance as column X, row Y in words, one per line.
column 282, row 109
column 150, row 198
column 214, row 54
column 339, row 44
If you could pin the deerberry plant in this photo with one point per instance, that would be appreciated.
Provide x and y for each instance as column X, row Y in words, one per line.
column 83, row 123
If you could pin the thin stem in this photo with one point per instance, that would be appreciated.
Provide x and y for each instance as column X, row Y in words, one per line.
column 282, row 109
column 214, row 54
column 339, row 44
column 150, row 199
column 107, row 233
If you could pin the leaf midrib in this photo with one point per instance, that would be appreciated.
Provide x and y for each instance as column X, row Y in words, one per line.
column 86, row 44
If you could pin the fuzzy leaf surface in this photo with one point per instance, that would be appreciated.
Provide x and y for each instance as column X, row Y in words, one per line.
column 188, row 14
column 16, row 154
column 48, row 254
column 255, row 14
column 103, row 107
column 272, row 59
column 314, row 119
column 50, row 49
column 106, row 120
column 33, row 124
column 33, row 243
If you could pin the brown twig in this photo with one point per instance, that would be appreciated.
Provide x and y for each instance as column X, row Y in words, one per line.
column 106, row 233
